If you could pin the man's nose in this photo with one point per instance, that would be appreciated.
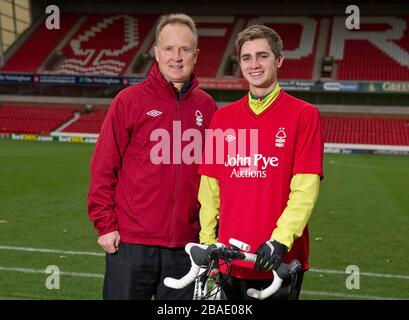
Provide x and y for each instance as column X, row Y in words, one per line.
column 254, row 63
column 176, row 55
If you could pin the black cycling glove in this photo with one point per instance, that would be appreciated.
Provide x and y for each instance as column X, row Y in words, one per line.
column 269, row 255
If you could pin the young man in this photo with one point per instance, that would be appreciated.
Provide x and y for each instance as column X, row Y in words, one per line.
column 264, row 189
column 143, row 196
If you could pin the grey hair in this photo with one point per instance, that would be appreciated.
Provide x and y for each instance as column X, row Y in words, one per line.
column 181, row 18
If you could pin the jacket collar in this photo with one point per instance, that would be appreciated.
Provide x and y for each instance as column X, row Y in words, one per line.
column 156, row 78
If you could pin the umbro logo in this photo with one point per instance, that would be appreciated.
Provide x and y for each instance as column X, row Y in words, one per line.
column 230, row 138
column 154, row 113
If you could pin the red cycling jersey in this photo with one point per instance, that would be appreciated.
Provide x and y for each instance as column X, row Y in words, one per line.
column 254, row 176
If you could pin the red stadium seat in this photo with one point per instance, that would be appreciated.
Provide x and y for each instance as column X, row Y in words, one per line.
column 105, row 44
column 366, row 130
column 88, row 123
column 33, row 119
column 39, row 46
column 378, row 51
column 299, row 35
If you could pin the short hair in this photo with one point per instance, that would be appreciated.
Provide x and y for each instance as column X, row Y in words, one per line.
column 181, row 18
column 258, row 31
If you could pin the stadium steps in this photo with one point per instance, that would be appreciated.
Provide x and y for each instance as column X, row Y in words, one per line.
column 230, row 47
column 322, row 39
column 89, row 123
column 145, row 48
column 76, row 116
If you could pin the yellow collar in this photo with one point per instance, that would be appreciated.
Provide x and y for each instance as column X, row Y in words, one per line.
column 258, row 105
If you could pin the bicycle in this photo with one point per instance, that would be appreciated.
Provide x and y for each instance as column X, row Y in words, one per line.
column 205, row 259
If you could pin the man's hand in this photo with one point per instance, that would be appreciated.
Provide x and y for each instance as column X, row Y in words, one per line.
column 269, row 255
column 110, row 241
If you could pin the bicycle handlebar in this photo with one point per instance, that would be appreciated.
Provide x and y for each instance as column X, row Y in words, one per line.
column 199, row 255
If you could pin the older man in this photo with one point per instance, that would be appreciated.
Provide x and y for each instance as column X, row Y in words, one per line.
column 145, row 210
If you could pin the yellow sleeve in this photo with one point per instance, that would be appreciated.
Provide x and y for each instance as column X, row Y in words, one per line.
column 303, row 196
column 209, row 199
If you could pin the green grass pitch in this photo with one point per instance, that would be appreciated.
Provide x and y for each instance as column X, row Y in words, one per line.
column 361, row 219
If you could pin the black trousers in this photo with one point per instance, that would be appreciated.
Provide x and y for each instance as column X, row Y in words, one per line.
column 236, row 289
column 136, row 272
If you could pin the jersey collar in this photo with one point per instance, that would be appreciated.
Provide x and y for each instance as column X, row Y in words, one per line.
column 259, row 104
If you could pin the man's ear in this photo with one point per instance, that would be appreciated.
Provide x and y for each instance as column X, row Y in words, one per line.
column 196, row 55
column 280, row 60
column 156, row 49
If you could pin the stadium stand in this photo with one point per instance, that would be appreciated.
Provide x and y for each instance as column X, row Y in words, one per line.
column 338, row 128
column 88, row 122
column 32, row 118
column 214, row 36
column 108, row 44
column 317, row 48
column 380, row 51
column 105, row 44
column 30, row 56
column 366, row 129
column 300, row 43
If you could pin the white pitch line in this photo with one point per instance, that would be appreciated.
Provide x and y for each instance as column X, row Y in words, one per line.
column 349, row 296
column 306, row 292
column 99, row 254
column 368, row 274
column 80, row 253
column 74, row 274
